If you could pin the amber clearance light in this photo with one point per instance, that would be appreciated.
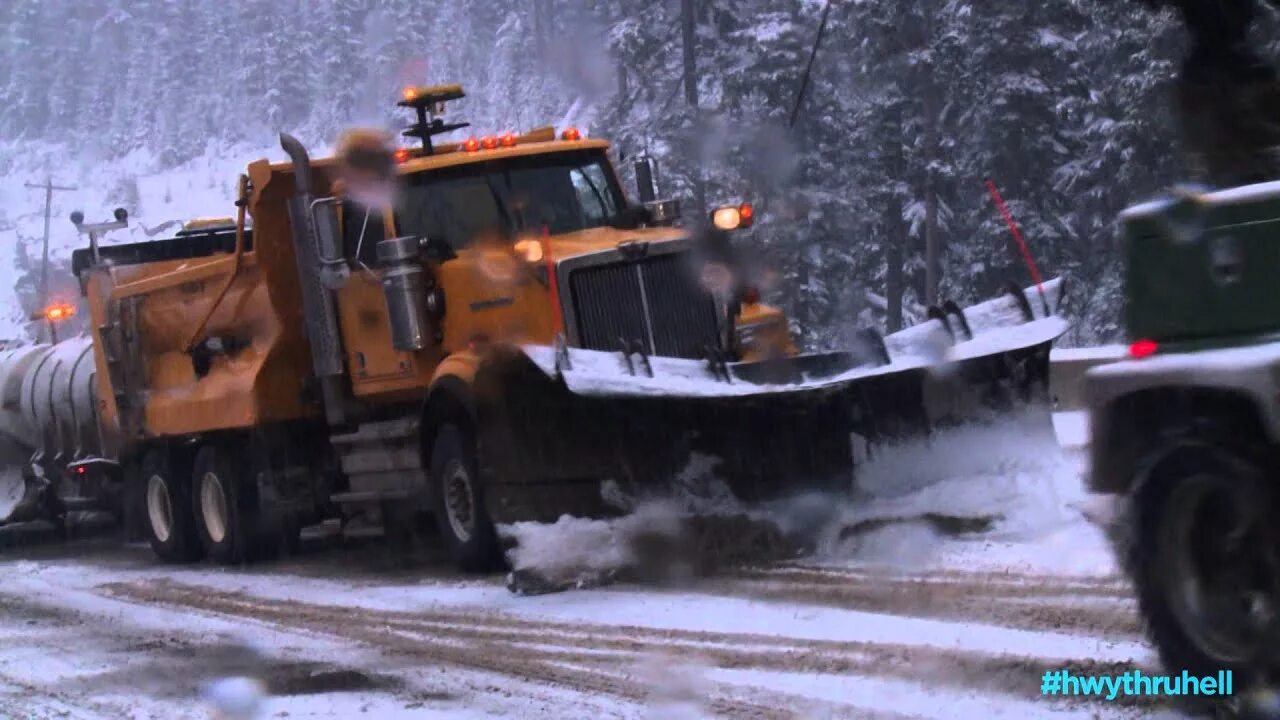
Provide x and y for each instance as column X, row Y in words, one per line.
column 55, row 313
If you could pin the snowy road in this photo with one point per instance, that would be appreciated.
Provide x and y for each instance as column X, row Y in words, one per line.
column 901, row 624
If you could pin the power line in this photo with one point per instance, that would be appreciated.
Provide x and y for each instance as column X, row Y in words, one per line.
column 48, row 188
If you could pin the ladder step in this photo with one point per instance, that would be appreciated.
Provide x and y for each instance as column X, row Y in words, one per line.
column 370, row 496
column 398, row 429
column 364, row 460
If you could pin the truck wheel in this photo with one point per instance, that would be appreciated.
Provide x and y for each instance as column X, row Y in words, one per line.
column 1206, row 562
column 225, row 506
column 169, row 524
column 459, row 504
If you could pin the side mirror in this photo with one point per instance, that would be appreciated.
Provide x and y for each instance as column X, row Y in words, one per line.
column 646, row 188
column 333, row 269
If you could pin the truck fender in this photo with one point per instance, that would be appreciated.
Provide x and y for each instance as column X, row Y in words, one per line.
column 449, row 399
column 1132, row 427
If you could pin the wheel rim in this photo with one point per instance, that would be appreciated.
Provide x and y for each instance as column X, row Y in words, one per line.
column 458, row 501
column 213, row 507
column 159, row 508
column 1222, row 579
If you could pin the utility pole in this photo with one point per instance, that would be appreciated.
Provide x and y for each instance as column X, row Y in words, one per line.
column 48, row 187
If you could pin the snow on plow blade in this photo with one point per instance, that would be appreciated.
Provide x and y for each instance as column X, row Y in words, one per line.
column 556, row 422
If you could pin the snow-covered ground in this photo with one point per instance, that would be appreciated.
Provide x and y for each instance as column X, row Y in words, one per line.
column 900, row 622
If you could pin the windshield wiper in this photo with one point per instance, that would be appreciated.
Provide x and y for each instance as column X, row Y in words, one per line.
column 504, row 208
column 604, row 207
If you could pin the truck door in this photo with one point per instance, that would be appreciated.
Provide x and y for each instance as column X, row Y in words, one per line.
column 373, row 362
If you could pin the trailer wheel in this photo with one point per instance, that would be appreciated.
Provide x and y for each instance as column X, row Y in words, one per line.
column 1206, row 563
column 225, row 506
column 170, row 526
column 459, row 503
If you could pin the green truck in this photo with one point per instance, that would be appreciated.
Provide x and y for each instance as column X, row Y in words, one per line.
column 1185, row 431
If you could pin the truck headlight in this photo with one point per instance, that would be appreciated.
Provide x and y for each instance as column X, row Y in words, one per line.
column 733, row 217
column 530, row 250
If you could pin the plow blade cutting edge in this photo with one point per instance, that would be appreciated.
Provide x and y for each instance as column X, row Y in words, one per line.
column 560, row 427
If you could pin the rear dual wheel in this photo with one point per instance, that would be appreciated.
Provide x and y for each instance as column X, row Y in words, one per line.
column 169, row 523
column 230, row 520
column 220, row 504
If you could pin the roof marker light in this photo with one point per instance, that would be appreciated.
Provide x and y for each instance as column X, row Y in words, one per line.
column 488, row 142
column 507, row 140
column 571, row 134
column 471, row 144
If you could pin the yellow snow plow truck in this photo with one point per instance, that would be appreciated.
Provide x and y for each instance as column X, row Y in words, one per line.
column 504, row 334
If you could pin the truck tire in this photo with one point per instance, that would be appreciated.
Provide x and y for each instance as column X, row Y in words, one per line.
column 224, row 503
column 459, row 503
column 1204, row 561
column 166, row 505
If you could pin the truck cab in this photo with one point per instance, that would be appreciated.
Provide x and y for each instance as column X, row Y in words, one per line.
column 1185, row 431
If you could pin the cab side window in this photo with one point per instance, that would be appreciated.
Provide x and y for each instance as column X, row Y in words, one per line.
column 356, row 221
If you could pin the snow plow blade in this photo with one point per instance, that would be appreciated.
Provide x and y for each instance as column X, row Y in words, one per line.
column 560, row 428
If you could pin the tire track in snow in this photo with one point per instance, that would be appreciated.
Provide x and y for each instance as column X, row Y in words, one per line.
column 988, row 582
column 381, row 629
column 595, row 657
column 1057, row 607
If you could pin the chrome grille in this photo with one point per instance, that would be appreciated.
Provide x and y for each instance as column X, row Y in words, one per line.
column 656, row 300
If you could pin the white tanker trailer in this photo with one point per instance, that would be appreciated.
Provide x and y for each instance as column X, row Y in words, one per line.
column 51, row 443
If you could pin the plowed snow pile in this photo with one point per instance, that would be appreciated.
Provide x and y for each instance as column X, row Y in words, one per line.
column 977, row 490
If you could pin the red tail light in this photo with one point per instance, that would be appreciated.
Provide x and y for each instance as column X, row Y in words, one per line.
column 1143, row 348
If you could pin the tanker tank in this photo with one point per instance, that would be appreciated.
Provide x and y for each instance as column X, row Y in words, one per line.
column 48, row 419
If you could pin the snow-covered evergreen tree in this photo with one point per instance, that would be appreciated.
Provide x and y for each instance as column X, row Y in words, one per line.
column 909, row 108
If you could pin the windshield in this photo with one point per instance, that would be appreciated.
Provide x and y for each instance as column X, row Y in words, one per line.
column 562, row 192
